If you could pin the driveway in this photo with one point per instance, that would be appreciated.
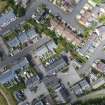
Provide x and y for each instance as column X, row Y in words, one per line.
column 71, row 76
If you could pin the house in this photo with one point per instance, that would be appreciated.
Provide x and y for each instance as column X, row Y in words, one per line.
column 77, row 89
column 41, row 51
column 63, row 95
column 13, row 43
column 24, row 103
column 22, row 2
column 35, row 102
column 84, row 85
column 47, row 47
column 32, row 82
column 23, row 37
column 52, row 81
column 7, row 18
column 51, row 46
column 99, row 65
column 98, row 83
column 32, row 34
column 10, row 74
column 48, row 100
column 57, row 65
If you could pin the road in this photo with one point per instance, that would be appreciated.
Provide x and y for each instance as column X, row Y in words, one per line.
column 98, row 54
column 69, row 18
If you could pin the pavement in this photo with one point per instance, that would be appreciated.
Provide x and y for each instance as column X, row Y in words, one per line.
column 70, row 76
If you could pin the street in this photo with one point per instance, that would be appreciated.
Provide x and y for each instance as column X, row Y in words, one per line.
column 69, row 18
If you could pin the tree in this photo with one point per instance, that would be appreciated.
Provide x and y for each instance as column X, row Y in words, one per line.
column 98, row 2
column 102, row 19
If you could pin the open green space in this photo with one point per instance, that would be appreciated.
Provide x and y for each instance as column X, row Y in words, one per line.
column 97, row 101
column 3, row 5
column 2, row 100
column 98, row 1
column 9, row 36
column 102, row 19
column 17, row 87
column 8, row 95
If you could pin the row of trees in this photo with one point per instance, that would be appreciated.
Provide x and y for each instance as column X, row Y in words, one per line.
column 18, row 9
column 97, row 101
column 59, row 40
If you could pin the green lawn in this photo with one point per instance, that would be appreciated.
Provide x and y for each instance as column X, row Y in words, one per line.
column 8, row 95
column 3, row 6
column 17, row 87
column 10, row 36
column 2, row 100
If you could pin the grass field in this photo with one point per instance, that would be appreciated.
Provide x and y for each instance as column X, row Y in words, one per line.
column 8, row 95
column 3, row 5
column 2, row 100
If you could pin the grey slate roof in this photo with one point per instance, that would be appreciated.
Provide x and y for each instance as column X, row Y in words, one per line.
column 31, row 34
column 14, row 42
column 58, row 65
column 52, row 81
column 6, row 18
column 10, row 74
column 23, row 37
column 7, row 76
column 51, row 45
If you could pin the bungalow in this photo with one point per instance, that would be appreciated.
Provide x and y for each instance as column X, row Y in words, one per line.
column 51, row 46
column 41, row 51
column 84, row 85
column 32, row 82
column 52, row 81
column 48, row 47
column 77, row 90
column 22, row 2
column 56, row 66
column 37, row 102
column 22, row 37
column 13, row 43
column 7, row 18
column 63, row 95
column 32, row 34
column 10, row 74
